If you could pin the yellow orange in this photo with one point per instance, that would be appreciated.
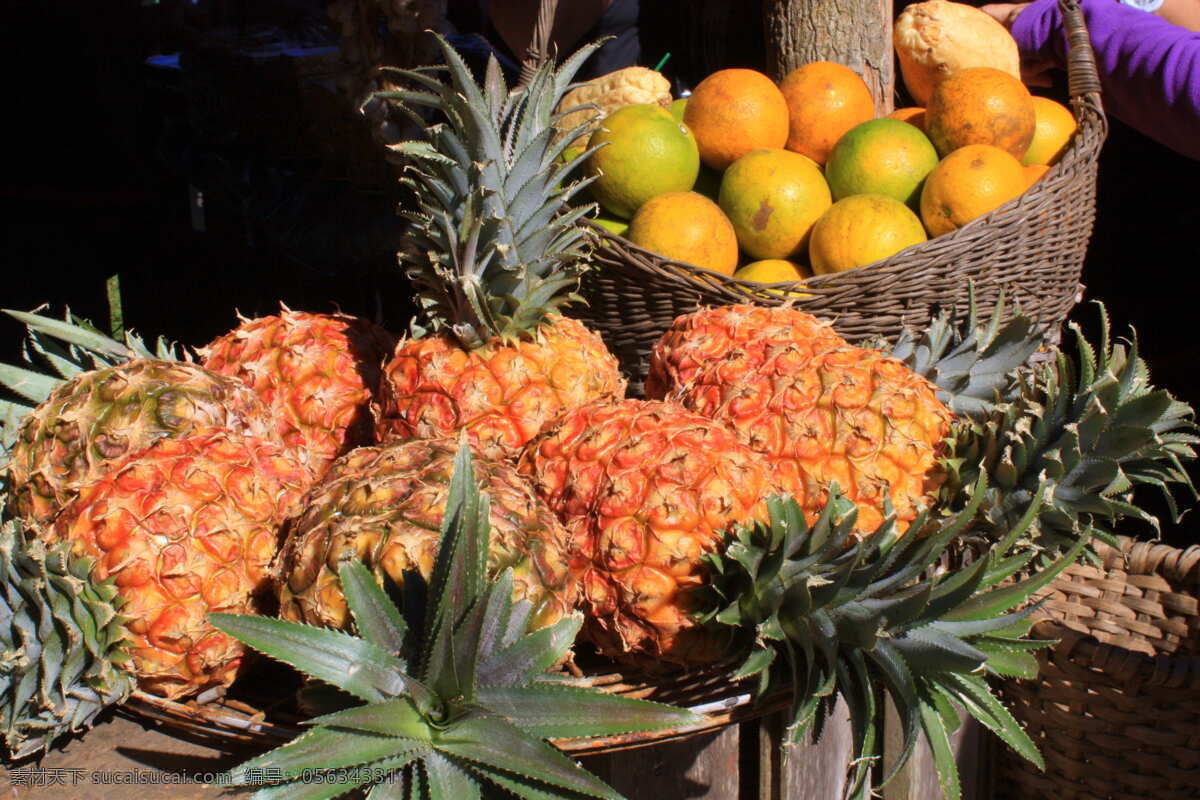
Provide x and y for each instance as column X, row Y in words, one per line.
column 774, row 270
column 1034, row 173
column 913, row 115
column 981, row 105
column 824, row 100
column 646, row 152
column 687, row 227
column 969, row 183
column 1052, row 134
column 773, row 197
column 734, row 111
column 860, row 230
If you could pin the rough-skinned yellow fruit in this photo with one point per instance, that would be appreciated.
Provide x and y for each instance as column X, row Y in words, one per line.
column 860, row 230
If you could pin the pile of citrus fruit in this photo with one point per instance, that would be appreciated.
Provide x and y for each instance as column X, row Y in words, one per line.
column 773, row 182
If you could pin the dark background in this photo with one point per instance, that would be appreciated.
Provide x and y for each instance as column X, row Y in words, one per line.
column 105, row 152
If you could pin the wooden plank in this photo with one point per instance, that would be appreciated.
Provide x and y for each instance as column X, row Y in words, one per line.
column 701, row 768
column 809, row 771
column 973, row 752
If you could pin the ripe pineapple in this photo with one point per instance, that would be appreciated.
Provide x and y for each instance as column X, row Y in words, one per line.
column 383, row 506
column 494, row 255
column 646, row 489
column 183, row 528
column 316, row 373
column 821, row 413
column 100, row 416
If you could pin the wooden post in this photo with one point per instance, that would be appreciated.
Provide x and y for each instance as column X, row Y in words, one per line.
column 857, row 33
column 810, row 771
column 973, row 747
column 701, row 768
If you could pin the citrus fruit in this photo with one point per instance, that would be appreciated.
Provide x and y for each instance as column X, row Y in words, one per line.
column 981, row 105
column 1052, row 133
column 913, row 115
column 860, row 230
column 688, row 227
column 967, row 184
column 773, row 197
column 824, row 101
column 774, row 270
column 677, row 107
column 646, row 152
column 734, row 111
column 617, row 226
column 881, row 156
column 1034, row 173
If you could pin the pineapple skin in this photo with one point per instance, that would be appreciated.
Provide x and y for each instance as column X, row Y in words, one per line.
column 102, row 416
column 503, row 393
column 821, row 414
column 186, row 527
column 646, row 489
column 384, row 507
column 696, row 341
column 316, row 374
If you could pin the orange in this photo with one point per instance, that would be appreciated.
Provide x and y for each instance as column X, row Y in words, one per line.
column 774, row 270
column 860, row 230
column 1055, row 127
column 881, row 156
column 1034, row 173
column 981, row 105
column 734, row 111
column 824, row 101
column 773, row 197
column 645, row 153
column 969, row 183
column 913, row 115
column 688, row 227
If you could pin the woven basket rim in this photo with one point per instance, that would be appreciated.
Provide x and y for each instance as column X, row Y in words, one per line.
column 1133, row 669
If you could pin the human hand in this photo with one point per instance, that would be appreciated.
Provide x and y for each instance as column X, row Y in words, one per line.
column 1034, row 71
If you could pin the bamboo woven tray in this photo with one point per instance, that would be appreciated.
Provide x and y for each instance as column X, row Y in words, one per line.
column 259, row 712
column 1031, row 249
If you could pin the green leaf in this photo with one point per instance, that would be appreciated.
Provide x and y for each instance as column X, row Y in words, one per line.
column 355, row 665
column 396, row 718
column 493, row 741
column 550, row 711
column 375, row 615
column 939, row 744
column 318, row 749
column 972, row 692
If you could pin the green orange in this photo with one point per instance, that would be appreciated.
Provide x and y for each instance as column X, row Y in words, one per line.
column 882, row 156
column 860, row 230
column 773, row 197
column 646, row 152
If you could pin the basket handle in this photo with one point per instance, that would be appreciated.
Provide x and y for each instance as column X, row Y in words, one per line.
column 1083, row 78
column 538, row 51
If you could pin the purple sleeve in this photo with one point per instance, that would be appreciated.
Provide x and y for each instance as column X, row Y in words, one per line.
column 1149, row 68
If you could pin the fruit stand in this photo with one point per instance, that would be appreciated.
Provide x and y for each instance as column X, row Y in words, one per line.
column 615, row 498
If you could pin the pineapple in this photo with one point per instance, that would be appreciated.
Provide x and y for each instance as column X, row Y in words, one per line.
column 316, row 373
column 646, row 490
column 494, row 254
column 451, row 698
column 821, row 413
column 382, row 506
column 101, row 416
column 185, row 527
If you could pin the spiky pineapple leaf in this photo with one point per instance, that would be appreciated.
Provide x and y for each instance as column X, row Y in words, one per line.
column 483, row 727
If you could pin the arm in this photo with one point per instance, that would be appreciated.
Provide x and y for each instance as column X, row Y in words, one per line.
column 1184, row 13
column 1149, row 68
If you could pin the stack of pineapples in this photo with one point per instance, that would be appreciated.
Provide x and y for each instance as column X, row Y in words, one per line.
column 848, row 521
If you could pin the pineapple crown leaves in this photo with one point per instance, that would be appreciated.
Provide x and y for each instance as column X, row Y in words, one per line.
column 54, row 351
column 62, row 643
column 973, row 364
column 829, row 614
column 455, row 698
column 1088, row 428
column 493, row 245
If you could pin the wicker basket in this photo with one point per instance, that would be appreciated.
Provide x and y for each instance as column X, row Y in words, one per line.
column 1031, row 249
column 1116, row 709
